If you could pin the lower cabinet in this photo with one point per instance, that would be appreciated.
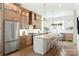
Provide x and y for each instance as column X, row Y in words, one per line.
column 29, row 40
column 25, row 41
column 68, row 36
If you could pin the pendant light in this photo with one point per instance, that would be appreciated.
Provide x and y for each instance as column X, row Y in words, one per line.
column 44, row 11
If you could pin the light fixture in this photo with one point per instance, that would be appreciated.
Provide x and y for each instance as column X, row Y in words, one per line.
column 59, row 5
column 30, row 27
column 20, row 11
column 23, row 13
column 44, row 11
column 7, row 3
column 27, row 14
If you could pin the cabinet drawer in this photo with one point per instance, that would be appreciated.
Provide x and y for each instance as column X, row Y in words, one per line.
column 23, row 43
column 68, row 36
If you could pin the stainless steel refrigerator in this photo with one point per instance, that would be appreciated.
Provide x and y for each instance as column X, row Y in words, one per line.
column 12, row 42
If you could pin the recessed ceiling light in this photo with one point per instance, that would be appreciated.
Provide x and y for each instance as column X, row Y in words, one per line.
column 59, row 5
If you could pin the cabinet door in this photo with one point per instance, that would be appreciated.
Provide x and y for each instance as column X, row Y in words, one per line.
column 23, row 42
column 7, row 15
column 68, row 36
column 1, row 20
column 1, row 31
column 16, row 16
column 29, row 40
column 38, row 22
column 22, row 22
column 11, row 15
column 25, row 22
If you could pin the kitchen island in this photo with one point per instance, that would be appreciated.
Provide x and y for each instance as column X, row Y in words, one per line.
column 42, row 43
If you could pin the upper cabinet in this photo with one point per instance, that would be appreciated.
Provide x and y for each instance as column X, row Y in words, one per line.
column 30, row 18
column 1, row 29
column 24, row 18
column 0, row 15
column 37, row 22
column 33, row 19
column 11, row 12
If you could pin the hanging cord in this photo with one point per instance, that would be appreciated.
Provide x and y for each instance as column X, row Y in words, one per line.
column 44, row 10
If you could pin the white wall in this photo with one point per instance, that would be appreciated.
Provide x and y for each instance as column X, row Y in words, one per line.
column 76, row 35
column 68, row 22
column 75, row 25
column 75, row 28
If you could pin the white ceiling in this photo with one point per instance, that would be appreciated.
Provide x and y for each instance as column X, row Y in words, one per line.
column 51, row 9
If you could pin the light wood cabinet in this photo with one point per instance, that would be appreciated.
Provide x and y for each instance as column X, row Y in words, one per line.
column 29, row 39
column 30, row 18
column 16, row 17
column 1, row 30
column 11, row 12
column 10, row 15
column 68, row 36
column 25, row 41
column 24, row 22
column 24, row 18
column 38, row 22
column 7, row 15
column 0, row 20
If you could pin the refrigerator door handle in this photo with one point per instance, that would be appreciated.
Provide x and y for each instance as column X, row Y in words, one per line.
column 12, row 31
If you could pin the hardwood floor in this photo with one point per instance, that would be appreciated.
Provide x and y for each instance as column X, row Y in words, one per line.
column 29, row 52
column 68, row 49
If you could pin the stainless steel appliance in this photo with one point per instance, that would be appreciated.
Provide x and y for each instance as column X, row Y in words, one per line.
column 11, row 36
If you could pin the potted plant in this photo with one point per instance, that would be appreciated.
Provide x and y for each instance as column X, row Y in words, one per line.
column 46, row 29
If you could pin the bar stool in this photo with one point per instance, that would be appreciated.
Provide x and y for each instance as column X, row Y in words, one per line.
column 53, row 42
column 59, row 41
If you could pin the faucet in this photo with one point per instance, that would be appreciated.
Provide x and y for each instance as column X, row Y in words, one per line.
column 38, row 31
